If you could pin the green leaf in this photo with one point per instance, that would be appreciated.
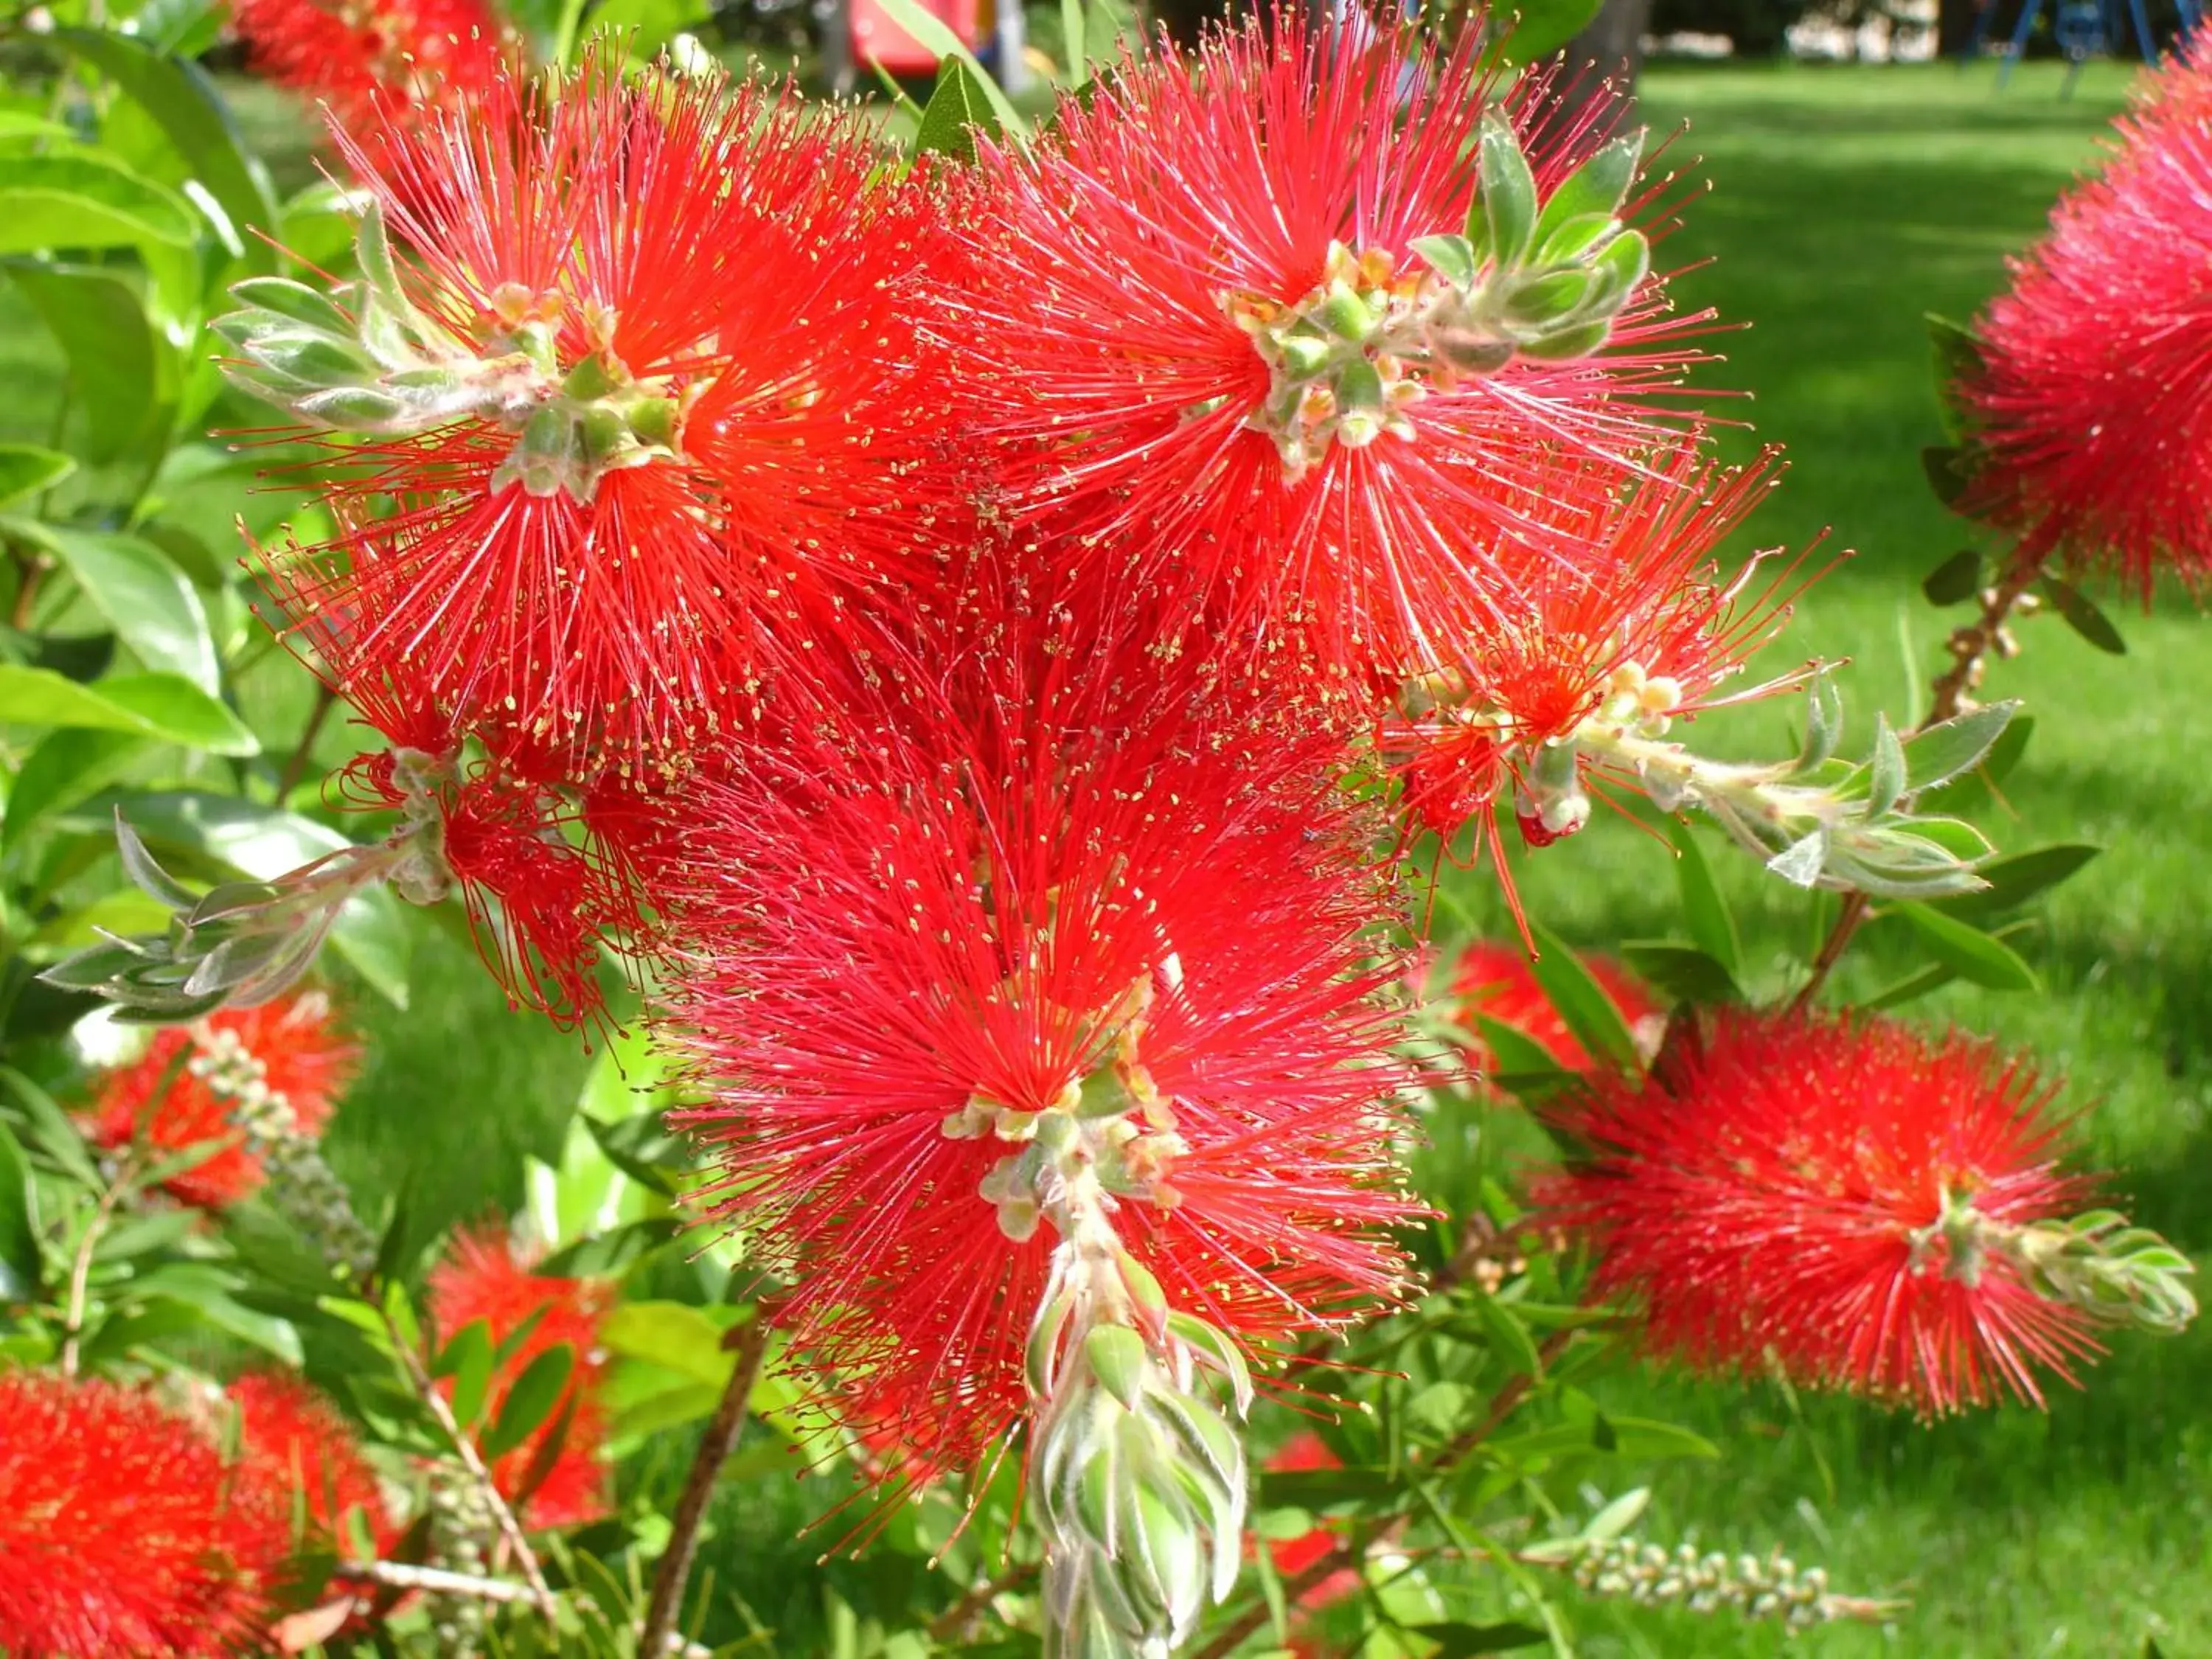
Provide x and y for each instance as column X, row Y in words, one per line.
column 1321, row 1489
column 1948, row 471
column 1508, row 1337
column 180, row 100
column 2083, row 616
column 531, row 1400
column 1596, row 188
column 957, row 111
column 81, row 199
column 1616, row 1517
column 115, row 378
column 2017, row 878
column 648, row 25
column 1942, row 752
column 1457, row 1640
column 19, row 1228
column 151, row 705
column 467, row 1359
column 674, row 1335
column 1958, row 578
column 1507, row 198
column 1451, row 257
column 1072, row 34
column 49, row 1127
column 68, row 764
column 1711, row 923
column 610, row 1255
column 25, row 468
column 931, row 33
column 1957, row 363
column 1543, row 26
column 264, row 843
column 144, row 598
column 1683, row 972
column 1580, row 1001
column 1967, row 951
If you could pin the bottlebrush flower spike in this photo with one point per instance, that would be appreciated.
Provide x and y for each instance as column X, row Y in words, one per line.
column 1633, row 627
column 1319, row 317
column 2088, row 414
column 123, row 1530
column 240, row 1076
column 293, row 1440
column 1037, row 1002
column 1857, row 1204
column 482, row 1278
column 639, row 388
column 369, row 58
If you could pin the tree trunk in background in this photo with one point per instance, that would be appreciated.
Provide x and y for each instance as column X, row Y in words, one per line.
column 1614, row 42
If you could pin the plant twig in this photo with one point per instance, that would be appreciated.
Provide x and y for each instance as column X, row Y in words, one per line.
column 957, row 1617
column 126, row 1177
column 1969, row 647
column 439, row 1581
column 721, row 1436
column 296, row 767
column 466, row 1449
column 1351, row 1553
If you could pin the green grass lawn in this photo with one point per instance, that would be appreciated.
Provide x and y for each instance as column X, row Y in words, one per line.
column 1846, row 202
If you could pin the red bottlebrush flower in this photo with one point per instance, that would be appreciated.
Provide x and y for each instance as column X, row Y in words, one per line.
column 292, row 1438
column 482, row 1278
column 1133, row 265
column 1636, row 627
column 186, row 1089
column 1786, row 1190
column 1293, row 1556
column 367, row 58
column 122, row 1529
column 1494, row 980
column 2090, row 413
column 673, row 405
column 956, row 894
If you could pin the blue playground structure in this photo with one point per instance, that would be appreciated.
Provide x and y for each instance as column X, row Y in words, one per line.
column 2083, row 28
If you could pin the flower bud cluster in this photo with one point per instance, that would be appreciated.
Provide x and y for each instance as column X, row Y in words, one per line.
column 302, row 1184
column 1348, row 362
column 385, row 368
column 1773, row 1587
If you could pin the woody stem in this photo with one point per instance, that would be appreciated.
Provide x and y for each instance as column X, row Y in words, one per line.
column 720, row 1439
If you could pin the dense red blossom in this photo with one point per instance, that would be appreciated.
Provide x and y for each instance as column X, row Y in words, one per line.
column 160, row 1097
column 1759, row 1194
column 1633, row 592
column 294, row 1439
column 1293, row 1556
column 123, row 1531
column 1103, row 357
column 1493, row 979
column 369, row 58
column 481, row 1278
column 952, row 886
column 721, row 253
column 2092, row 412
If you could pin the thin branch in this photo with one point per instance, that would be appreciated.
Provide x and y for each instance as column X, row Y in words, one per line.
column 1350, row 1554
column 126, row 1177
column 466, row 1449
column 405, row 1575
column 1969, row 647
column 295, row 768
column 957, row 1617
column 714, row 1447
